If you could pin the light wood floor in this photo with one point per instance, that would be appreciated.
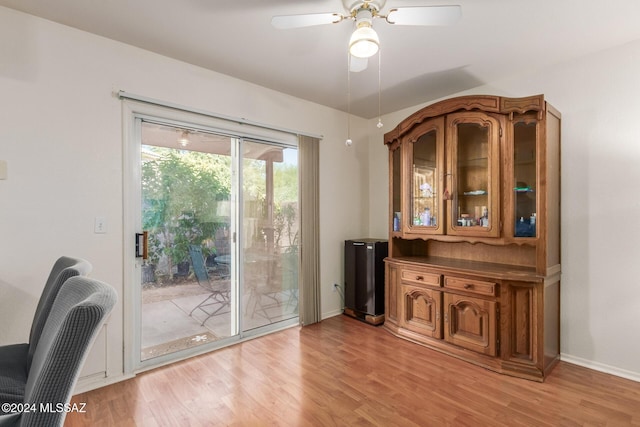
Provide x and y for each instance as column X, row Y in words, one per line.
column 344, row 372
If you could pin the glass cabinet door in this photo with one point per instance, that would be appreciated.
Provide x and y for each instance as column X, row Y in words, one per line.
column 426, row 165
column 524, row 178
column 474, row 176
column 395, row 169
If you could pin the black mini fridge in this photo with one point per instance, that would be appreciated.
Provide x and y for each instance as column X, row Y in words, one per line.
column 364, row 279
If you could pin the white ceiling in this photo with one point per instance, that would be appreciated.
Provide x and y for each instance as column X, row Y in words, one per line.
column 494, row 39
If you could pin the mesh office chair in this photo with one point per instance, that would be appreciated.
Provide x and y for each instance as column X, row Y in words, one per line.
column 15, row 359
column 75, row 318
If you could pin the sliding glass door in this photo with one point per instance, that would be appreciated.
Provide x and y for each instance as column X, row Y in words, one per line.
column 217, row 251
column 269, row 248
column 188, row 296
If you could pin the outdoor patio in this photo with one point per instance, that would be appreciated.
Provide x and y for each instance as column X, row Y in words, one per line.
column 167, row 326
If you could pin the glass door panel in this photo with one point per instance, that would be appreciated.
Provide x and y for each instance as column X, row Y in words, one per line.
column 525, row 178
column 396, row 189
column 424, row 194
column 187, row 296
column 474, row 168
column 472, row 175
column 270, row 230
column 426, row 157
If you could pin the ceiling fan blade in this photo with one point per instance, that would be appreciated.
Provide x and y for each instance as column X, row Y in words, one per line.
column 424, row 15
column 358, row 64
column 285, row 22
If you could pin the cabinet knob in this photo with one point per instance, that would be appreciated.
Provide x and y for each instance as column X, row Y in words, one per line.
column 419, row 278
column 468, row 286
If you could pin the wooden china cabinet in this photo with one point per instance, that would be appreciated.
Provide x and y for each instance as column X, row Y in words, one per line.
column 474, row 241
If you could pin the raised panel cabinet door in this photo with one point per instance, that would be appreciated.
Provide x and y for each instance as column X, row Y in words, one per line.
column 523, row 326
column 470, row 323
column 391, row 294
column 421, row 310
column 473, row 174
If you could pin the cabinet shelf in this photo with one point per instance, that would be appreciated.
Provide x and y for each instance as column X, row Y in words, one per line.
column 473, row 164
column 475, row 193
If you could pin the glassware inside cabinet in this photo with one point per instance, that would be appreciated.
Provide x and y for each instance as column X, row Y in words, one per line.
column 424, row 200
column 525, row 178
column 472, row 175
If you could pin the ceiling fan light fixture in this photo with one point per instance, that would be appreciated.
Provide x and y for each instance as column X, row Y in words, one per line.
column 364, row 42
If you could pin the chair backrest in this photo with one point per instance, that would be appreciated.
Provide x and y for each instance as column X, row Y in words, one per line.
column 63, row 269
column 197, row 260
column 75, row 319
column 290, row 263
column 222, row 241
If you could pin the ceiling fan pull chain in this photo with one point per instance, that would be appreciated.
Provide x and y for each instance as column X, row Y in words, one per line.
column 348, row 142
column 379, row 125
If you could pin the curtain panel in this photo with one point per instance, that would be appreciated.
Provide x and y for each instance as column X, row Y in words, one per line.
column 309, row 185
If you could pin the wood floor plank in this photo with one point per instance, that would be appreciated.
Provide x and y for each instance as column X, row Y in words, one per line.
column 345, row 372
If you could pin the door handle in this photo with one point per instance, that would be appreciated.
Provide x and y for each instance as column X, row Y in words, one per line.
column 141, row 245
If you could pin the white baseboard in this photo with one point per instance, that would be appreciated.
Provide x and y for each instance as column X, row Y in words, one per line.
column 92, row 382
column 331, row 314
column 600, row 367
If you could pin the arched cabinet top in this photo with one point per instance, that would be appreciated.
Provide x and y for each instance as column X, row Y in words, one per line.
column 486, row 103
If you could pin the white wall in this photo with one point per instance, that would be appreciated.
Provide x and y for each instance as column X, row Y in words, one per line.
column 598, row 98
column 61, row 136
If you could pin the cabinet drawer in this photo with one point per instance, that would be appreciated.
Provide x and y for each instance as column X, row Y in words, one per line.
column 420, row 278
column 468, row 285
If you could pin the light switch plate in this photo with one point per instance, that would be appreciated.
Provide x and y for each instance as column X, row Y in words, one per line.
column 3, row 169
column 100, row 225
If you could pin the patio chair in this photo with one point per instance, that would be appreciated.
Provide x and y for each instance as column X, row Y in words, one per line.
column 290, row 278
column 75, row 318
column 277, row 281
column 218, row 289
column 15, row 359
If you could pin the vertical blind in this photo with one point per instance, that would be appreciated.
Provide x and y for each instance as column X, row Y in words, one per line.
column 308, row 149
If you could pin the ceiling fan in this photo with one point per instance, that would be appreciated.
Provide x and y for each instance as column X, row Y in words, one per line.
column 364, row 41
